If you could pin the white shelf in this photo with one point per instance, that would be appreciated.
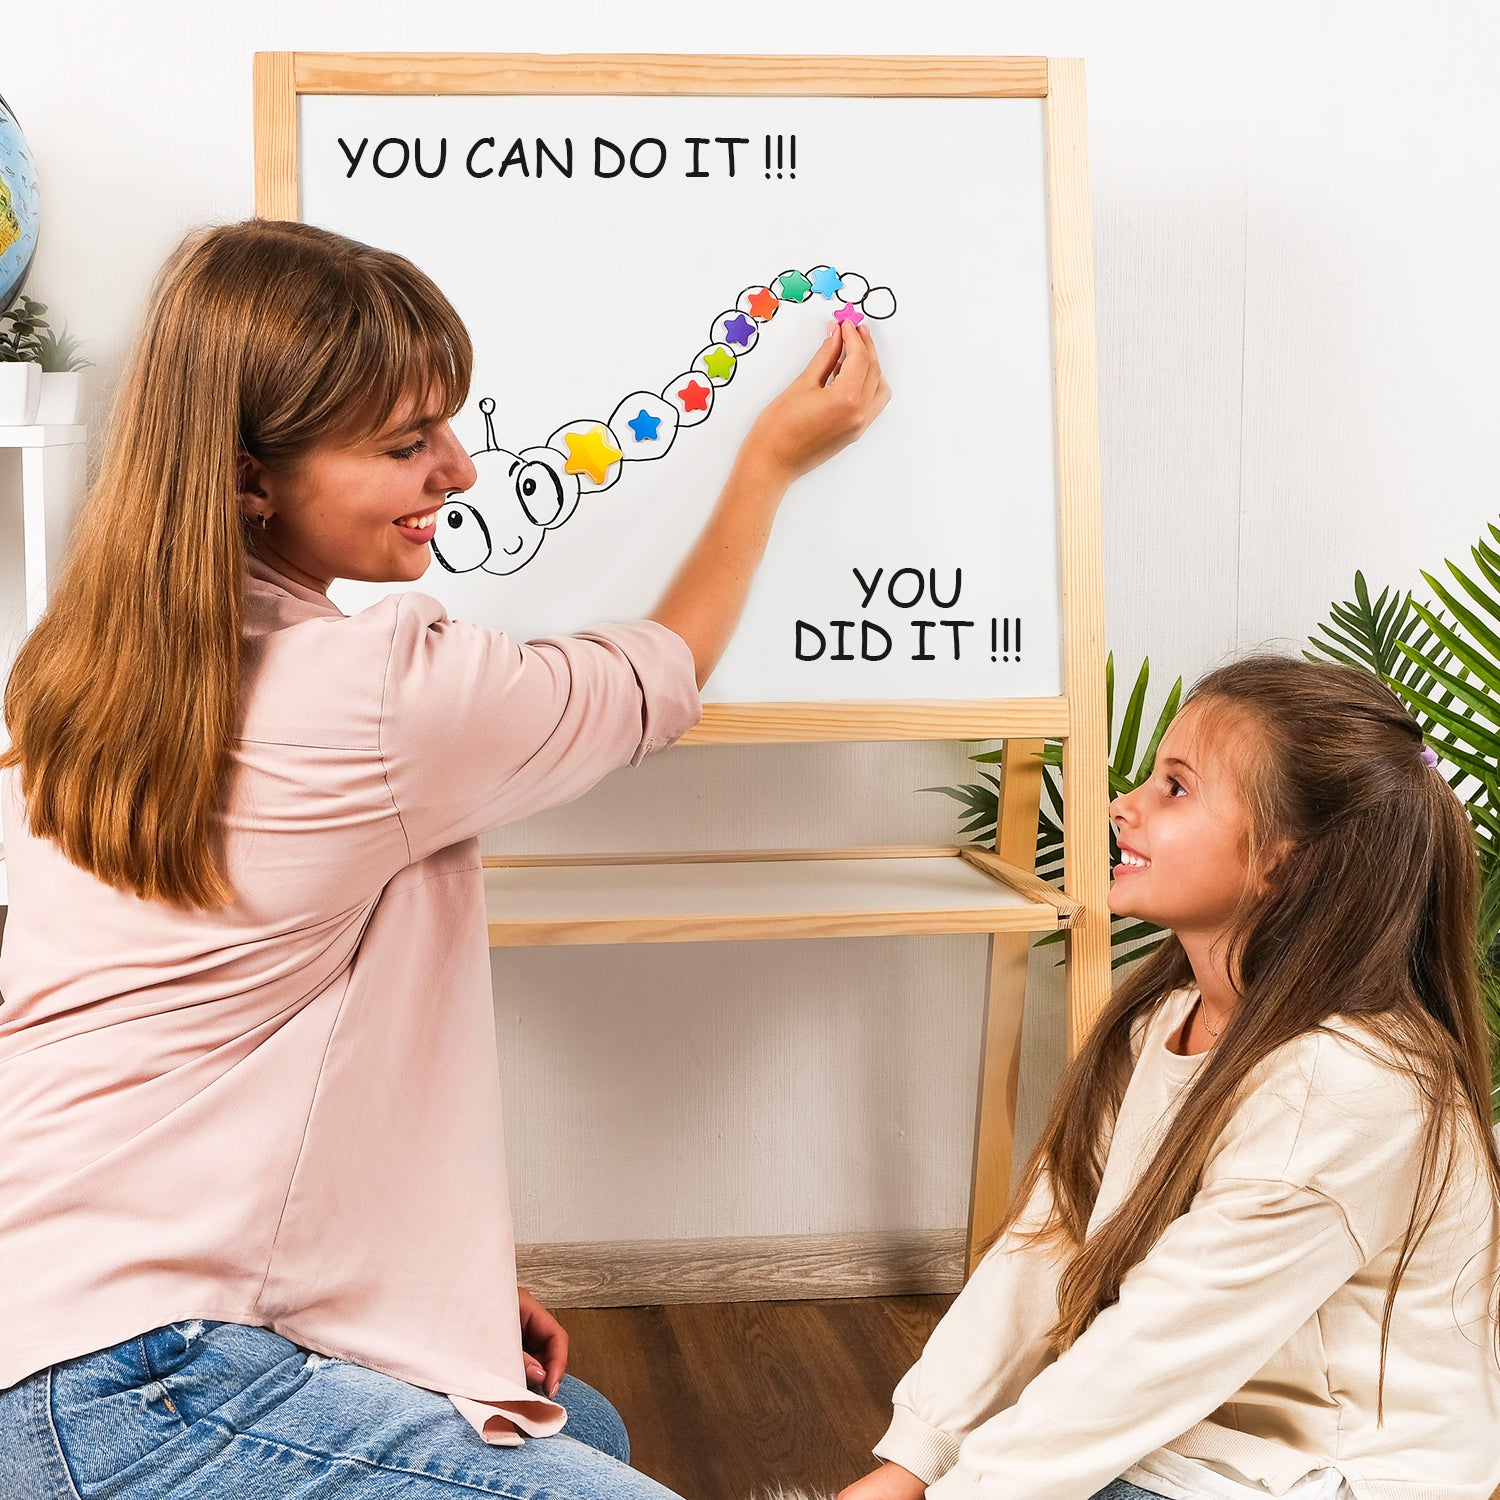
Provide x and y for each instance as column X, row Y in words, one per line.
column 537, row 901
column 47, row 506
column 694, row 898
column 51, row 436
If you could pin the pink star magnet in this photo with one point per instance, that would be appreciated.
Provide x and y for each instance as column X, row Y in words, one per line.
column 848, row 314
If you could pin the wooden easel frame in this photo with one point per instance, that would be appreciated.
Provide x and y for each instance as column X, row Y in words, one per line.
column 1077, row 718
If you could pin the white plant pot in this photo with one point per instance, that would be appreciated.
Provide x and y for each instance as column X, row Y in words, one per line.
column 20, row 393
column 62, row 397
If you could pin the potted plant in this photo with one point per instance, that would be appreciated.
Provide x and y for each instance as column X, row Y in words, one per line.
column 20, row 362
column 63, row 380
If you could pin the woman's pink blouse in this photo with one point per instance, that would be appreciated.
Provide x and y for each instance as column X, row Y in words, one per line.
column 286, row 1111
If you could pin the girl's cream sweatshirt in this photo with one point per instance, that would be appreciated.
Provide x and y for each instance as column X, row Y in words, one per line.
column 1249, row 1336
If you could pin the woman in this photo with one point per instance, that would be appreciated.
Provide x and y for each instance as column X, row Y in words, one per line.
column 252, row 1202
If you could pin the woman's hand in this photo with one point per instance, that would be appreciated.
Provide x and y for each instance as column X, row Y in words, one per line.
column 544, row 1345
column 888, row 1482
column 824, row 409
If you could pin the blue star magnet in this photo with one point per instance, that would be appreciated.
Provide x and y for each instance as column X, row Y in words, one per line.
column 645, row 427
column 826, row 281
column 739, row 330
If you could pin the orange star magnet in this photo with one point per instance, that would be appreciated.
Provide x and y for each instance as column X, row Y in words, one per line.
column 762, row 303
column 591, row 453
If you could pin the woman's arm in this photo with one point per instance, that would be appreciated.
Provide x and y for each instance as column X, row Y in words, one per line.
column 477, row 730
column 829, row 405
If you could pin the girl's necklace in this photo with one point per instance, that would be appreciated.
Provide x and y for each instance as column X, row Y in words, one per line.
column 1203, row 1016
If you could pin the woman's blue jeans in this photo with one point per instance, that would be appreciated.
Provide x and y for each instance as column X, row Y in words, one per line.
column 203, row 1410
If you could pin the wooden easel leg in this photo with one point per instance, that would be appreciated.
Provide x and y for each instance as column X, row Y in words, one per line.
column 1004, row 1006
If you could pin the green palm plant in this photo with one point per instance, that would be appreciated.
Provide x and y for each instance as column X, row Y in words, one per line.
column 1130, row 764
column 1444, row 663
column 1370, row 634
column 1461, row 709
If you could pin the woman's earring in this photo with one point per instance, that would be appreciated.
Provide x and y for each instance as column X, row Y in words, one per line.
column 260, row 519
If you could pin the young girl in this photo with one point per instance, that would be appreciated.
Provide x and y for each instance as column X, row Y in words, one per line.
column 1255, row 1251
column 254, row 1229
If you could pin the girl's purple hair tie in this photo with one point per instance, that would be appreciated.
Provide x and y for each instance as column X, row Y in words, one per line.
column 1429, row 756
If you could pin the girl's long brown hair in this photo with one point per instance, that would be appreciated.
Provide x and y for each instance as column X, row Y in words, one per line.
column 265, row 339
column 1371, row 915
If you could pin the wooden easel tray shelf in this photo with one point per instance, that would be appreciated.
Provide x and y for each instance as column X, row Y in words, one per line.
column 783, row 893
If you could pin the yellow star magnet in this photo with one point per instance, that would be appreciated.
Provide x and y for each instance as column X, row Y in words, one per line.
column 591, row 453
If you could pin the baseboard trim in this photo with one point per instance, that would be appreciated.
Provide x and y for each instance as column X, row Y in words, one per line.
column 787, row 1267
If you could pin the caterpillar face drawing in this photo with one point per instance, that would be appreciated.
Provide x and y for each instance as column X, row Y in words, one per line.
column 500, row 524
column 522, row 496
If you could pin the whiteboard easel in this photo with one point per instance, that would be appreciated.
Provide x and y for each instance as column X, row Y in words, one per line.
column 1076, row 716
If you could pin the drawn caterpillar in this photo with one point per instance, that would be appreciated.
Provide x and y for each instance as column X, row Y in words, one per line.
column 521, row 496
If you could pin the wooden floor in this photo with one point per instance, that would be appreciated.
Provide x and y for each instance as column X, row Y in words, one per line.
column 726, row 1399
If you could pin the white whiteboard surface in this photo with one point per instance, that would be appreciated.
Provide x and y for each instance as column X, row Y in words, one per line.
column 582, row 290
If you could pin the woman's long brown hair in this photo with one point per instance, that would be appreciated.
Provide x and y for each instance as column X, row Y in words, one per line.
column 265, row 339
column 1371, row 916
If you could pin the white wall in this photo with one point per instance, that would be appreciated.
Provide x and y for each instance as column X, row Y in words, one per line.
column 1295, row 227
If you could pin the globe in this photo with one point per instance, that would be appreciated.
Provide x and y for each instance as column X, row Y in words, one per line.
column 20, row 208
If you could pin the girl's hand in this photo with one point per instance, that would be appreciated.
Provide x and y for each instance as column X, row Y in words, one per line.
column 888, row 1482
column 544, row 1344
column 824, row 409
